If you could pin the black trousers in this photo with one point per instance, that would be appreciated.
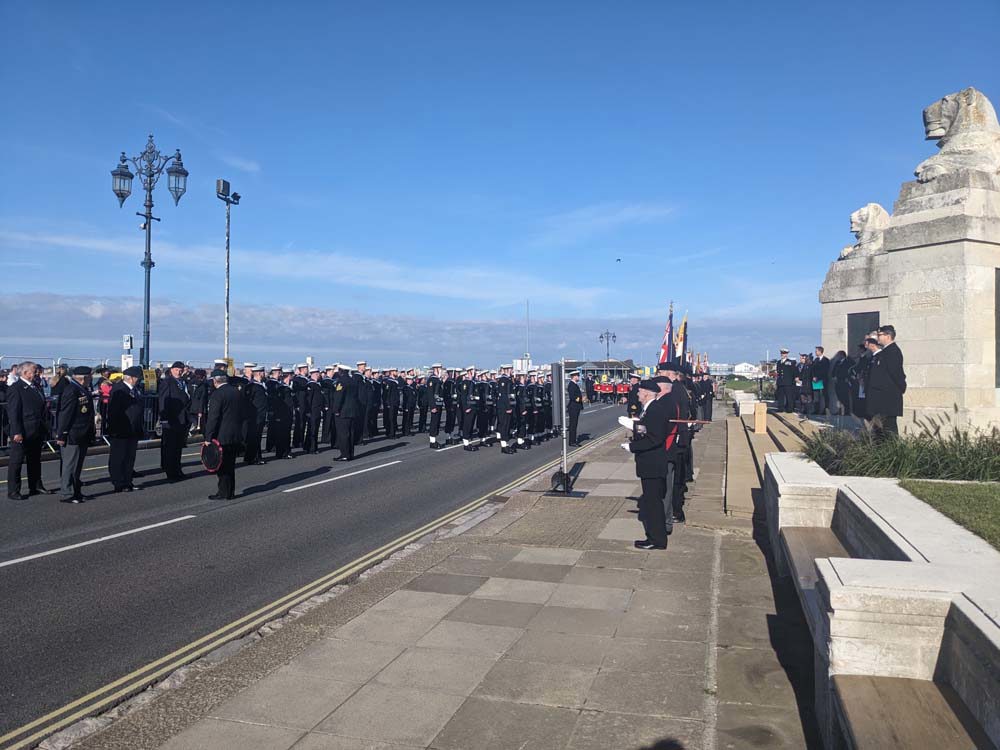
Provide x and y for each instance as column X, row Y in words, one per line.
column 390, row 421
column 407, row 421
column 469, row 423
column 819, row 401
column 298, row 428
column 450, row 420
column 172, row 443
column 327, row 428
column 574, row 421
column 251, row 454
column 344, row 429
column 26, row 452
column 121, row 461
column 227, row 472
column 310, row 440
column 422, row 421
column 279, row 435
column 709, row 403
column 372, row 424
column 483, row 424
column 359, row 427
column 435, row 427
column 787, row 395
column 503, row 425
column 655, row 507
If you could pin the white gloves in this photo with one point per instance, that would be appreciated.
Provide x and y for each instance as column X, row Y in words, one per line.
column 625, row 447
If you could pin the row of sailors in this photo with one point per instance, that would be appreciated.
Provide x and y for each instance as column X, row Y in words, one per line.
column 306, row 407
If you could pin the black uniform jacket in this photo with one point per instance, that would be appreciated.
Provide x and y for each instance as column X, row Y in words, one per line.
column 886, row 383
column 224, row 416
column 652, row 448
column 124, row 412
column 174, row 404
column 75, row 424
column 346, row 403
column 257, row 401
column 575, row 397
column 26, row 411
column 787, row 372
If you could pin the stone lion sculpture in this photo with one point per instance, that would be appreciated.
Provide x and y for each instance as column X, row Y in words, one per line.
column 965, row 126
column 867, row 224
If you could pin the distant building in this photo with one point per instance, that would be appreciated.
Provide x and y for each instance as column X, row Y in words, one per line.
column 720, row 369
column 615, row 369
column 747, row 370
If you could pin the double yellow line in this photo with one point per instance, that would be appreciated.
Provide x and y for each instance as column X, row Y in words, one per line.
column 114, row 692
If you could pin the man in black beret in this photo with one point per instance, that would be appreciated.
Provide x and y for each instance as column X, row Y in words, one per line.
column 175, row 420
column 124, row 429
column 225, row 424
column 75, row 430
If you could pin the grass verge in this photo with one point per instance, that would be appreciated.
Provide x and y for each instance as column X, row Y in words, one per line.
column 974, row 506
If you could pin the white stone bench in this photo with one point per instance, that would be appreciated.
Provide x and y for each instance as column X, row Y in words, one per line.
column 896, row 593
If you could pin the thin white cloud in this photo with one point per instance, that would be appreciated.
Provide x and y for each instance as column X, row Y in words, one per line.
column 483, row 285
column 581, row 224
column 238, row 162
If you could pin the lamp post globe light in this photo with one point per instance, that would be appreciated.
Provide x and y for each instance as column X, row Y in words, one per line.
column 150, row 165
column 222, row 193
column 607, row 338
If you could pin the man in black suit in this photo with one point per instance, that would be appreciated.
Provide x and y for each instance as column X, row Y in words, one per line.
column 886, row 384
column 224, row 424
column 314, row 412
column 75, row 430
column 346, row 408
column 787, row 391
column 175, row 420
column 28, row 419
column 654, row 436
column 574, row 405
column 124, row 429
column 255, row 397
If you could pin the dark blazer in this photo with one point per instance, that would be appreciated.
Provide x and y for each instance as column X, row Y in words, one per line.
column 886, row 383
column 124, row 412
column 652, row 456
column 821, row 368
column 315, row 402
column 26, row 411
column 75, row 423
column 256, row 396
column 174, row 402
column 788, row 370
column 346, row 404
column 225, row 416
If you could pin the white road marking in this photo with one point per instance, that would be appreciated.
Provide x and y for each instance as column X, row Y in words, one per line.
column 93, row 541
column 341, row 476
column 442, row 450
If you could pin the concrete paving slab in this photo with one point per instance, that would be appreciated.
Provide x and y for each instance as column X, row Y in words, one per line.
column 419, row 603
column 330, row 742
column 544, row 684
column 467, row 636
column 638, row 693
column 516, row 590
column 548, row 556
column 345, row 661
column 755, row 628
column 610, row 578
column 602, row 730
column 743, row 560
column 663, row 626
column 674, row 602
column 598, row 469
column 580, row 621
column 618, row 560
column 673, row 581
column 622, row 529
column 386, row 627
column 616, row 489
column 392, row 714
column 750, row 675
column 659, row 657
column 446, row 583
column 751, row 727
column 231, row 735
column 757, row 592
column 468, row 566
column 287, row 698
column 496, row 552
column 534, row 571
column 494, row 612
column 500, row 725
column 561, row 648
column 449, row 672
column 590, row 597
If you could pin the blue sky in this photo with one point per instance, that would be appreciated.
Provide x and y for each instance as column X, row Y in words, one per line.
column 412, row 172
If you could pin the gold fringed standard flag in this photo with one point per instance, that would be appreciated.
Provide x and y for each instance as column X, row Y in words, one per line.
column 681, row 341
column 667, row 347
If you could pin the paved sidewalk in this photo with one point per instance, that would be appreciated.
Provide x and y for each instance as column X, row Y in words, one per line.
column 542, row 627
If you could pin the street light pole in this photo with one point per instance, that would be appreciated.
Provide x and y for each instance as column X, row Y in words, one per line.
column 222, row 193
column 150, row 166
column 606, row 338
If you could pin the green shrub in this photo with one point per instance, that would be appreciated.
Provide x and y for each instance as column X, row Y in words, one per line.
column 928, row 454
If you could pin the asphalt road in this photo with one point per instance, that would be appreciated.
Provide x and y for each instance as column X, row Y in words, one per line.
column 73, row 620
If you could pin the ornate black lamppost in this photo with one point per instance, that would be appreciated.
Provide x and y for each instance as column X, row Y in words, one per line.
column 607, row 338
column 150, row 165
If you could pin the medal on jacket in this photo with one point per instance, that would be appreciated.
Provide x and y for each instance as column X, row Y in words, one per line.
column 83, row 409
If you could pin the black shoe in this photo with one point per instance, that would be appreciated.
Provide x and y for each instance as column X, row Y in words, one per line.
column 679, row 517
column 74, row 500
column 342, row 458
column 18, row 496
column 261, row 462
column 215, row 497
column 133, row 488
column 646, row 544
column 471, row 448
